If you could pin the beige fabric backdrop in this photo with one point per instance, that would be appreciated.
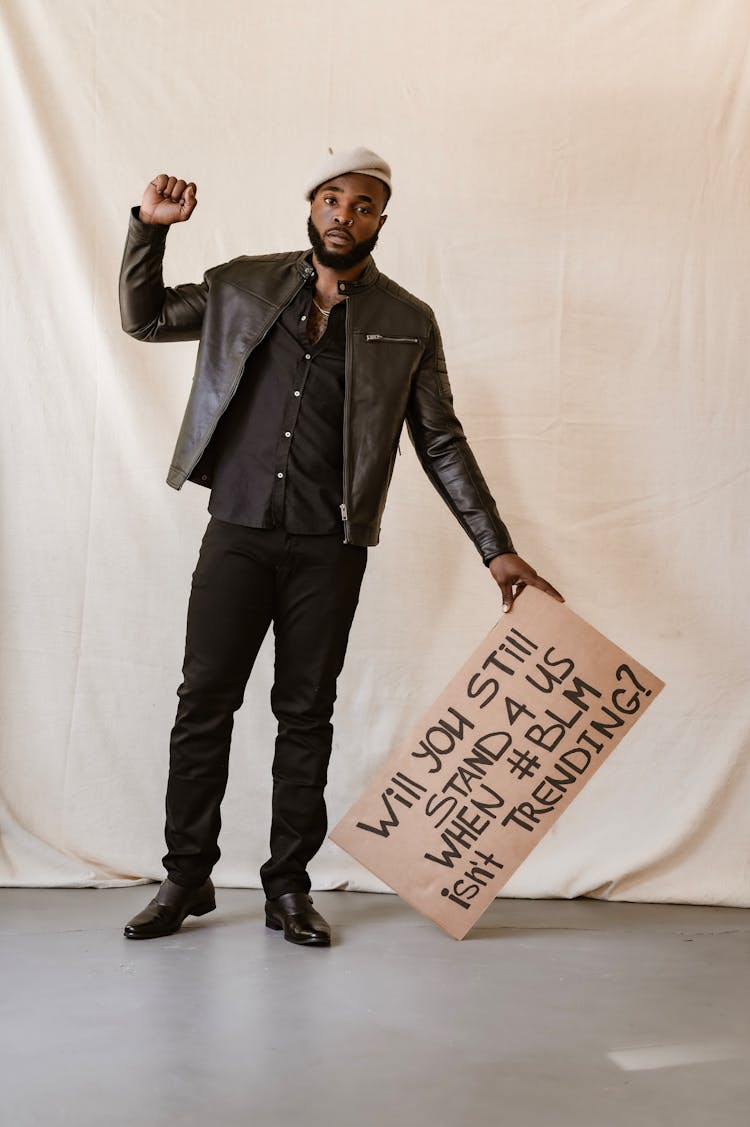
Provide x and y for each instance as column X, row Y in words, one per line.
column 571, row 195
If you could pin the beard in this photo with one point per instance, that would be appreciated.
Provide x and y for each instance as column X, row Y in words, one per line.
column 339, row 260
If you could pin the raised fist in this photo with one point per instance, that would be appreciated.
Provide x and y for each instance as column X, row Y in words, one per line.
column 168, row 200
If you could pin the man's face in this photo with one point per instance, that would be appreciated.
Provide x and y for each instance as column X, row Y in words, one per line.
column 346, row 215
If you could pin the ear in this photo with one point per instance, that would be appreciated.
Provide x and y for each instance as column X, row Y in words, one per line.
column 381, row 222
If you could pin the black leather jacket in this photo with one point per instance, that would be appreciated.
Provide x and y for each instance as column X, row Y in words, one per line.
column 395, row 372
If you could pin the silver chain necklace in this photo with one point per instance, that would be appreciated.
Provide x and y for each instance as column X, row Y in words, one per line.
column 326, row 312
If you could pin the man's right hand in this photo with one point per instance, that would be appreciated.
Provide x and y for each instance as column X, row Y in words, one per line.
column 168, row 200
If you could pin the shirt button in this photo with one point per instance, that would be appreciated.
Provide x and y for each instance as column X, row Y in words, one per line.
column 287, row 434
column 307, row 356
column 303, row 317
column 279, row 475
column 297, row 393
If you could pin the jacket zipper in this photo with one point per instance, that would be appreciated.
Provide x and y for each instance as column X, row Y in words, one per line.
column 345, row 444
column 238, row 377
column 376, row 337
column 391, row 340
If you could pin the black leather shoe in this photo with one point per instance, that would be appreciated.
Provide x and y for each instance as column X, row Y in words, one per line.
column 164, row 914
column 301, row 923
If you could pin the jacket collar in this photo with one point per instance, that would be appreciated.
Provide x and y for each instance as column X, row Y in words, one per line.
column 366, row 279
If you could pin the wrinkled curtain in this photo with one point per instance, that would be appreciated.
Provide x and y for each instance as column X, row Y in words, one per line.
column 571, row 187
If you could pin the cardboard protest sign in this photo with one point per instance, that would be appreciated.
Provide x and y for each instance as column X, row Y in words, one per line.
column 462, row 801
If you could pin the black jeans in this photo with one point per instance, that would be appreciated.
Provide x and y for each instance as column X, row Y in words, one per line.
column 246, row 578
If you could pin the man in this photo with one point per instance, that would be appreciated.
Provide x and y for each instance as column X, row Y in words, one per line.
column 309, row 364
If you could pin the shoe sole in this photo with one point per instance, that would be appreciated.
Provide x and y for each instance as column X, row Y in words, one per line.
column 203, row 910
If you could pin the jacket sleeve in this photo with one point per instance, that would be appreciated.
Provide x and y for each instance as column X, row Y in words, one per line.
column 149, row 310
column 445, row 455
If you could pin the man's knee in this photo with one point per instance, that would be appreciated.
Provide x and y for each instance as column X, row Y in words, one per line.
column 210, row 694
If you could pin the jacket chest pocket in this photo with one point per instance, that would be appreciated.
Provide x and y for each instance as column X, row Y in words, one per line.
column 399, row 356
column 387, row 361
column 378, row 338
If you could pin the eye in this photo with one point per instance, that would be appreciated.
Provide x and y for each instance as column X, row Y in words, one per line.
column 329, row 199
column 364, row 210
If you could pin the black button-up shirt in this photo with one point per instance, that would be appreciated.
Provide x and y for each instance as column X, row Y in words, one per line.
column 278, row 446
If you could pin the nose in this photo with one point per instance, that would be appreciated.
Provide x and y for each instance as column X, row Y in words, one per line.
column 342, row 222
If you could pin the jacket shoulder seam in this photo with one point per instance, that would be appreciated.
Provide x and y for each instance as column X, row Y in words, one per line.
column 398, row 293
column 252, row 260
column 239, row 272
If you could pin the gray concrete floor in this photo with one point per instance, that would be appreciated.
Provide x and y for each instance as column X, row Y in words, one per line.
column 550, row 1013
